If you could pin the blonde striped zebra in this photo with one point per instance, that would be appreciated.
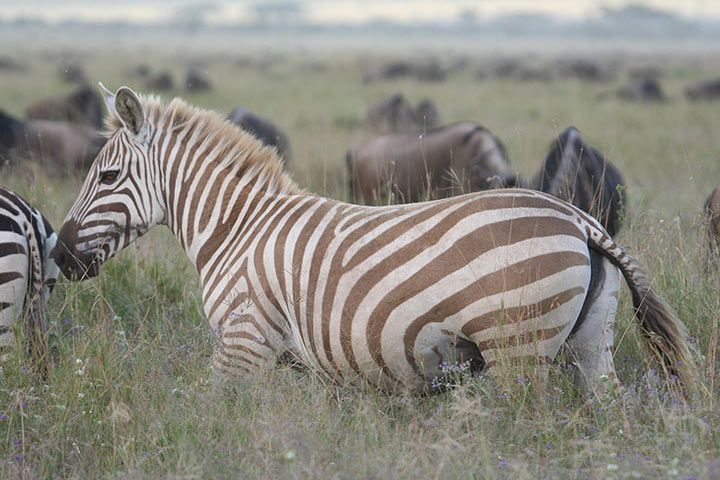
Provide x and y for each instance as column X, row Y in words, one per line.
column 27, row 273
column 381, row 294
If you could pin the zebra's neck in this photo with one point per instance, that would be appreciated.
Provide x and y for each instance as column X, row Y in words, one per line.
column 209, row 197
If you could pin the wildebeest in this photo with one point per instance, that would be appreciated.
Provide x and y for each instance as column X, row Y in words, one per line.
column 81, row 106
column 197, row 81
column 585, row 70
column 709, row 90
column 431, row 71
column 642, row 90
column 161, row 81
column 427, row 114
column 397, row 115
column 73, row 73
column 712, row 218
column 61, row 147
column 9, row 64
column 461, row 157
column 263, row 129
column 578, row 173
column 392, row 115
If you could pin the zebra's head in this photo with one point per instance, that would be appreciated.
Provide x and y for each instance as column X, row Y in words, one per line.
column 118, row 201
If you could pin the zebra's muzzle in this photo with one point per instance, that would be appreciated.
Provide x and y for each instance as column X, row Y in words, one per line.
column 74, row 265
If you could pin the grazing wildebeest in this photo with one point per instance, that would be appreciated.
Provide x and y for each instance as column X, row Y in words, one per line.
column 642, row 90
column 61, row 147
column 712, row 217
column 586, row 70
column 392, row 115
column 73, row 73
column 9, row 64
column 161, row 81
column 141, row 70
column 81, row 106
column 397, row 115
column 263, row 129
column 430, row 71
column 709, row 90
column 427, row 114
column 578, row 173
column 445, row 161
column 197, row 81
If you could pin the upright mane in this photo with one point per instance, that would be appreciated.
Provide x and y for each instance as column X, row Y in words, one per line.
column 226, row 143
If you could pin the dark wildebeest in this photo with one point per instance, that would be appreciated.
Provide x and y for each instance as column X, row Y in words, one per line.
column 427, row 114
column 197, row 81
column 397, row 115
column 73, row 73
column 61, row 147
column 392, row 115
column 445, row 161
column 712, row 217
column 641, row 90
column 81, row 106
column 709, row 90
column 578, row 173
column 159, row 81
column 263, row 129
column 585, row 70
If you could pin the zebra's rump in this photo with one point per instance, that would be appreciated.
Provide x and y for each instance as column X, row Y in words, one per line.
column 505, row 270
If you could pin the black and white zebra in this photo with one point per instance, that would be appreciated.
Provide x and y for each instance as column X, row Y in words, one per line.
column 27, row 273
column 387, row 294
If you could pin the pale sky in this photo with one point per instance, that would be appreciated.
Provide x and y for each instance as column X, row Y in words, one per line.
column 230, row 11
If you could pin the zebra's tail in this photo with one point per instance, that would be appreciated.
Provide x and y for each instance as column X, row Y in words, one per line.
column 662, row 330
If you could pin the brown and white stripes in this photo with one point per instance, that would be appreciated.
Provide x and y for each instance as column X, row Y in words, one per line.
column 27, row 273
column 384, row 294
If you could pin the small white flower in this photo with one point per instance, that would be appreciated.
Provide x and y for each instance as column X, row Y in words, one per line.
column 612, row 467
column 81, row 394
column 289, row 456
column 78, row 361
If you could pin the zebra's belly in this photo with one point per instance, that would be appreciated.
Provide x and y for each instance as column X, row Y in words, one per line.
column 478, row 315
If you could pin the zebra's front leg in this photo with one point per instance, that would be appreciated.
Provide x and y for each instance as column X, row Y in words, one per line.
column 244, row 345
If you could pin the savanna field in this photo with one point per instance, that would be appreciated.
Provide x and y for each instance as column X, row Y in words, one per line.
column 131, row 393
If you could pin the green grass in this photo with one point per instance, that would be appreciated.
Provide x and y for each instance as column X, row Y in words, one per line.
column 132, row 395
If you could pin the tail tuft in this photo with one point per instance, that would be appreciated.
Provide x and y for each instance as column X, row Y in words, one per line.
column 662, row 330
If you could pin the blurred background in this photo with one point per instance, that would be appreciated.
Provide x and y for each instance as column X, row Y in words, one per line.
column 638, row 79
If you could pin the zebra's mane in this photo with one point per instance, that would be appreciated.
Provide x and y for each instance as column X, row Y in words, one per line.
column 226, row 143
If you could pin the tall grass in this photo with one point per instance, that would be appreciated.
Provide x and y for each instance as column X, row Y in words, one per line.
column 131, row 394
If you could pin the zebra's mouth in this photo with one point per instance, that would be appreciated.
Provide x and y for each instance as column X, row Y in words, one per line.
column 74, row 265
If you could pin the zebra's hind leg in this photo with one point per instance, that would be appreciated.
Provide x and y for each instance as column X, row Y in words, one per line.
column 592, row 344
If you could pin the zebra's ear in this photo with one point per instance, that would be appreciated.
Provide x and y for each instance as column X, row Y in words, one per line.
column 108, row 96
column 130, row 110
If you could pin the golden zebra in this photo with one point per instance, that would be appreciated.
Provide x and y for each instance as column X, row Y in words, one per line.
column 27, row 273
column 386, row 294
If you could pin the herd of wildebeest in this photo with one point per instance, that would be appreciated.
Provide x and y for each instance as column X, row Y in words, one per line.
column 416, row 155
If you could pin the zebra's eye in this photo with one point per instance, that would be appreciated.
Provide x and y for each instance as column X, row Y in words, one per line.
column 109, row 177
